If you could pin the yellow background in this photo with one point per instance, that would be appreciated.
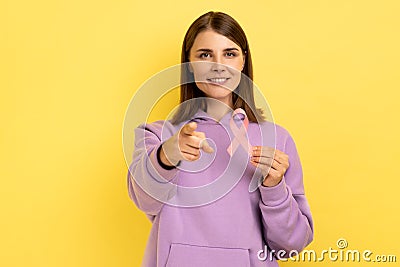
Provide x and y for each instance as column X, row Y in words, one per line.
column 329, row 70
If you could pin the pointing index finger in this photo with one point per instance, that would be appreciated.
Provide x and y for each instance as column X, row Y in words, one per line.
column 189, row 128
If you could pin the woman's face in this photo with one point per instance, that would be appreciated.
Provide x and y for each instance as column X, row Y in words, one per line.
column 217, row 63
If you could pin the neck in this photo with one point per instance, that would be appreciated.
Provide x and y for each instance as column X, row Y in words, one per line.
column 217, row 109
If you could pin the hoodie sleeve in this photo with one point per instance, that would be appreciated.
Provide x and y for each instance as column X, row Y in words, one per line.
column 149, row 184
column 286, row 215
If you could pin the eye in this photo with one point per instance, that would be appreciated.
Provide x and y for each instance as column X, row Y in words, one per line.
column 230, row 54
column 205, row 55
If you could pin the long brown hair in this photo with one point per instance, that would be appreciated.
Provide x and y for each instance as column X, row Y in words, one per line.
column 242, row 96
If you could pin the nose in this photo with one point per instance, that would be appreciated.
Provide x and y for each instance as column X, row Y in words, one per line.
column 217, row 65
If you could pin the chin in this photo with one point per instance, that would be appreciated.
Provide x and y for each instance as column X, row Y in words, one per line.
column 218, row 95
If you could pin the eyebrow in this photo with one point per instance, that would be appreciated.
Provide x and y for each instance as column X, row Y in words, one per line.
column 209, row 50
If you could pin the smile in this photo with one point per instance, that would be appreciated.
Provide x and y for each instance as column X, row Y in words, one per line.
column 218, row 80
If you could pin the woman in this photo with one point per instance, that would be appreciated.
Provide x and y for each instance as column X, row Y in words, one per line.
column 177, row 164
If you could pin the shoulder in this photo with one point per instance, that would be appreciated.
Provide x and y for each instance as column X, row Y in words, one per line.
column 283, row 137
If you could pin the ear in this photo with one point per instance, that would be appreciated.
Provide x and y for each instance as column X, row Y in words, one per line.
column 244, row 61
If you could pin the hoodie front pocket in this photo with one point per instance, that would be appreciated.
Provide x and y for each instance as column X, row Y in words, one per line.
column 185, row 255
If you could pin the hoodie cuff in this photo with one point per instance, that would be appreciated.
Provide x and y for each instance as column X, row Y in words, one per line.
column 274, row 195
column 157, row 171
column 161, row 163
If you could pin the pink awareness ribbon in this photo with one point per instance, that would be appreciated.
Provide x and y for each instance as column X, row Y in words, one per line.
column 239, row 134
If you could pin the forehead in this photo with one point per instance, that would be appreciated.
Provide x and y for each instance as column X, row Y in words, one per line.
column 213, row 40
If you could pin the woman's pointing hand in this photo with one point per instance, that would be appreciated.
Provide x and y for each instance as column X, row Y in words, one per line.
column 185, row 144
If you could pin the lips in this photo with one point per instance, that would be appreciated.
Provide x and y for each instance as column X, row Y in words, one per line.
column 218, row 80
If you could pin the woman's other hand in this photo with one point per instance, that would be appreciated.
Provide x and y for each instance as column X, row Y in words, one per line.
column 272, row 162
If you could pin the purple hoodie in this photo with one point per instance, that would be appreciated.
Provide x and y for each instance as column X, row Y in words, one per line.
column 199, row 221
